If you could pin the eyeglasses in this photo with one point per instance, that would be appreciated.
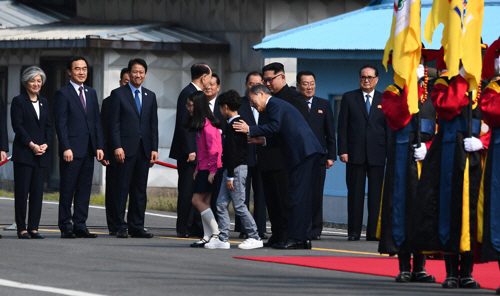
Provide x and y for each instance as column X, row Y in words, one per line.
column 189, row 105
column 270, row 79
column 369, row 78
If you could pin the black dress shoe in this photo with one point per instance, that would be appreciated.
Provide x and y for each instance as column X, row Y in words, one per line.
column 23, row 235
column 0, row 236
column 422, row 277
column 183, row 235
column 316, row 237
column 263, row 236
column 141, row 234
column 307, row 244
column 67, row 234
column 353, row 238
column 469, row 283
column 84, row 233
column 112, row 233
column 199, row 244
column 450, row 283
column 122, row 233
column 404, row 277
column 36, row 235
column 243, row 235
column 290, row 244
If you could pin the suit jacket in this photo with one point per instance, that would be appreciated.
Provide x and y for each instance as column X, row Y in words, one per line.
column 322, row 123
column 28, row 128
column 218, row 115
column 295, row 98
column 74, row 125
column 284, row 119
column 246, row 114
column 108, row 148
column 363, row 137
column 4, row 136
column 128, row 127
column 184, row 141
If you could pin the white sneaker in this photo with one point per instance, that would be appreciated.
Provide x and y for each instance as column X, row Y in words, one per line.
column 251, row 243
column 216, row 243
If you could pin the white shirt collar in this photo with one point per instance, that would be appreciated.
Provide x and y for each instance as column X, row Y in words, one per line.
column 233, row 118
column 268, row 99
column 197, row 87
column 371, row 95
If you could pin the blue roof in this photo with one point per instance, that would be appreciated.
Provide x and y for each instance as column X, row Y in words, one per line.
column 365, row 29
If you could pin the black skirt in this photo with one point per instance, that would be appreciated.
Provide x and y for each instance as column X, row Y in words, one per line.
column 201, row 184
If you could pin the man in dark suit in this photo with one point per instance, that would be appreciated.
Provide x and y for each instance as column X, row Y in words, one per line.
column 251, row 116
column 109, row 158
column 4, row 136
column 362, row 137
column 321, row 122
column 79, row 131
column 133, row 121
column 302, row 152
column 183, row 147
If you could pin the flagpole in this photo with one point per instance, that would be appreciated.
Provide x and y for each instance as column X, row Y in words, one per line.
column 469, row 130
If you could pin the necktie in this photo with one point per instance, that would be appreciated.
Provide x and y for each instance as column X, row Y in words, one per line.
column 137, row 101
column 309, row 106
column 368, row 105
column 82, row 99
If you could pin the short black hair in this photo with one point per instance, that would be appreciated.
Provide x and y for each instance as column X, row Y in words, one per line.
column 69, row 65
column 304, row 73
column 197, row 70
column 123, row 71
column 253, row 73
column 216, row 77
column 231, row 99
column 276, row 67
column 369, row 66
column 139, row 61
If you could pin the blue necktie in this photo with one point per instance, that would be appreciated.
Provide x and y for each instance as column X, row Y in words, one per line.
column 137, row 101
column 368, row 105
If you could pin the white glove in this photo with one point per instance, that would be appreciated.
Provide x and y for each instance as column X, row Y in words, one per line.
column 462, row 72
column 420, row 71
column 420, row 153
column 472, row 144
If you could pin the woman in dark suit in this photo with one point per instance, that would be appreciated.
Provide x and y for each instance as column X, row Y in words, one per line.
column 31, row 123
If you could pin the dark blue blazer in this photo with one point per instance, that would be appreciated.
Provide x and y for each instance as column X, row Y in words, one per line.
column 28, row 128
column 108, row 148
column 127, row 126
column 322, row 123
column 246, row 114
column 363, row 137
column 285, row 120
column 4, row 136
column 74, row 125
column 184, row 141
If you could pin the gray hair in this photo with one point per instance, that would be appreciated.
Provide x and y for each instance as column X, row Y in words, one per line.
column 31, row 73
column 256, row 89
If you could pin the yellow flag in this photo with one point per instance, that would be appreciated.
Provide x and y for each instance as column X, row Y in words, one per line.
column 406, row 44
column 462, row 20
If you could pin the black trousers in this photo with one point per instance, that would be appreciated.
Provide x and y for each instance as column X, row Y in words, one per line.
column 76, row 186
column 254, row 181
column 275, row 185
column 356, row 179
column 28, row 180
column 317, row 201
column 185, row 171
column 131, row 180
column 302, row 185
column 109, row 195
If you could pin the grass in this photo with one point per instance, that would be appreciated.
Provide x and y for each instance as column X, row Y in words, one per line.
column 157, row 203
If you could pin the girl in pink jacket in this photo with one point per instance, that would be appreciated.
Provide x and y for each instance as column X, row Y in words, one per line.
column 209, row 153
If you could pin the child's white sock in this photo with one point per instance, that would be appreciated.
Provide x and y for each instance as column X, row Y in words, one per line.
column 209, row 224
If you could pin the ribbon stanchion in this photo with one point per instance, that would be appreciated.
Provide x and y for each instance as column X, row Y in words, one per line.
column 5, row 161
column 168, row 165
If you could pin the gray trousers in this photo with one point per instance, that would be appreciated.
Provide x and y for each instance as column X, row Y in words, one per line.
column 238, row 197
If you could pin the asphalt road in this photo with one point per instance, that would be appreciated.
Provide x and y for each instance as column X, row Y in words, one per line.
column 165, row 265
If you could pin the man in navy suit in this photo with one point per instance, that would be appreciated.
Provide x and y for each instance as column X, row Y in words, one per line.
column 251, row 116
column 109, row 158
column 302, row 152
column 362, row 138
column 79, row 131
column 321, row 121
column 133, row 121
column 183, row 147
column 4, row 136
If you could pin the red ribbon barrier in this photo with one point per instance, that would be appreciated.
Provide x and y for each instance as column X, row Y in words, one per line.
column 168, row 165
column 5, row 161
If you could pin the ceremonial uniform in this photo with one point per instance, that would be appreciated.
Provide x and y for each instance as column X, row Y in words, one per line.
column 445, row 216
column 401, row 178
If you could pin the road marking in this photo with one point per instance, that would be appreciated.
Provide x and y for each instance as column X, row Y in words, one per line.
column 60, row 291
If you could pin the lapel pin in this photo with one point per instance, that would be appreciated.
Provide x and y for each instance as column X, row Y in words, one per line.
column 379, row 106
column 145, row 93
column 320, row 111
column 86, row 90
column 41, row 104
